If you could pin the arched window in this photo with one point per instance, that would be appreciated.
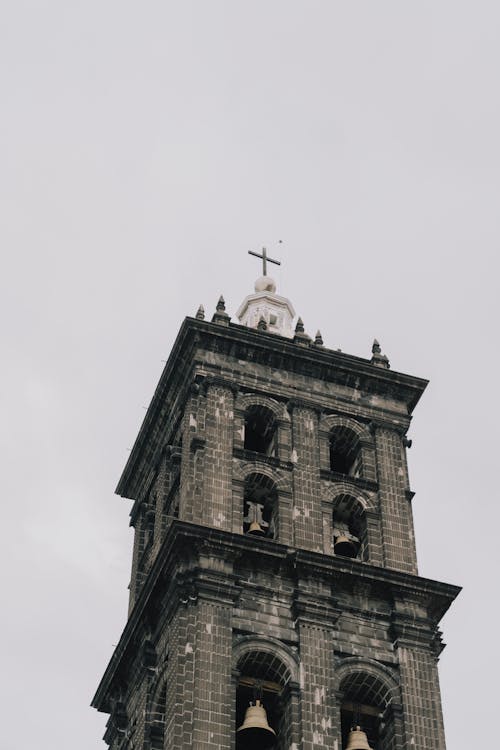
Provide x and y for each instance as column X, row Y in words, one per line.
column 260, row 516
column 345, row 452
column 349, row 528
column 366, row 702
column 263, row 674
column 260, row 430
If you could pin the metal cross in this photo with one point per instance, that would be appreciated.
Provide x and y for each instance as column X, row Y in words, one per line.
column 265, row 259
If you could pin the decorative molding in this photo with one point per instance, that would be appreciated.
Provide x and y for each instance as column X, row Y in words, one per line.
column 217, row 381
column 180, row 550
column 358, row 482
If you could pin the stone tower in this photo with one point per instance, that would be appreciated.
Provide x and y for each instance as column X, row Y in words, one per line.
column 274, row 554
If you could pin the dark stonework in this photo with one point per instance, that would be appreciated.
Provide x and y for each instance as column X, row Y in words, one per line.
column 324, row 608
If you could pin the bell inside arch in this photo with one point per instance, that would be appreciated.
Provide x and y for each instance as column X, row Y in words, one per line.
column 255, row 730
column 357, row 740
column 255, row 529
column 344, row 546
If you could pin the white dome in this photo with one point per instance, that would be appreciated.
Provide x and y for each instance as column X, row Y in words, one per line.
column 265, row 284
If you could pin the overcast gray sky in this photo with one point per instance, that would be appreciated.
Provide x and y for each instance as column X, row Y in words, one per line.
column 144, row 149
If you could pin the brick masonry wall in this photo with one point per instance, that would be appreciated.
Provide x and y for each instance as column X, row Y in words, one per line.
column 213, row 694
column 326, row 623
column 192, row 464
column 421, row 699
column 211, row 434
column 395, row 509
column 218, row 458
column 316, row 681
column 306, row 513
column 180, row 679
column 194, row 646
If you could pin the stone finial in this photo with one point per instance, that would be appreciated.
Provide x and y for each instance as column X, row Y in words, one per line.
column 378, row 359
column 300, row 336
column 262, row 325
column 220, row 315
column 318, row 339
column 200, row 314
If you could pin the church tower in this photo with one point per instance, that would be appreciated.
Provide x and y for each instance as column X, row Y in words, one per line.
column 275, row 599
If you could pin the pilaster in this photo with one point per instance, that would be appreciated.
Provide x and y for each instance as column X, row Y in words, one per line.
column 315, row 618
column 307, row 516
column 395, row 510
column 415, row 648
column 193, row 454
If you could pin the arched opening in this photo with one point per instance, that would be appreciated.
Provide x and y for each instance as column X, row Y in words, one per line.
column 366, row 702
column 260, row 430
column 264, row 674
column 260, row 506
column 349, row 528
column 345, row 452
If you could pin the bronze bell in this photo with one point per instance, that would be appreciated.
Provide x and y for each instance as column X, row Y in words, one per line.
column 357, row 740
column 344, row 546
column 255, row 529
column 255, row 731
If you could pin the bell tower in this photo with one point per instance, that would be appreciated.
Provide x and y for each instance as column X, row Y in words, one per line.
column 275, row 599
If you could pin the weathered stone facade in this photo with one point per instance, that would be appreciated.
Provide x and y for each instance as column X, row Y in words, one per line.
column 215, row 610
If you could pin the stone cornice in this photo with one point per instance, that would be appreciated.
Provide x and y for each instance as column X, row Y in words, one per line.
column 178, row 566
column 277, row 352
column 412, row 632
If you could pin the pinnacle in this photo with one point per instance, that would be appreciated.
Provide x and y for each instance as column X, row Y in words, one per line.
column 378, row 359
column 318, row 339
column 299, row 328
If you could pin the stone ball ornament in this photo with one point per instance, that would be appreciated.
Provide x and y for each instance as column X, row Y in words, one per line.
column 265, row 284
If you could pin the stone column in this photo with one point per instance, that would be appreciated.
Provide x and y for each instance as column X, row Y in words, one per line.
column 416, row 650
column 395, row 510
column 213, row 713
column 327, row 519
column 284, row 445
column 315, row 618
column 306, row 514
column 207, row 455
column 292, row 725
column 285, row 521
column 180, row 677
column 192, row 462
column 218, row 457
column 373, row 538
column 199, row 710
column 423, row 718
column 166, row 493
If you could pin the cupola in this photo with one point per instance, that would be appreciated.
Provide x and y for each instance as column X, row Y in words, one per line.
column 265, row 305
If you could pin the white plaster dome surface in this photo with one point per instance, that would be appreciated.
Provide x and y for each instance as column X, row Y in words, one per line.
column 265, row 284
